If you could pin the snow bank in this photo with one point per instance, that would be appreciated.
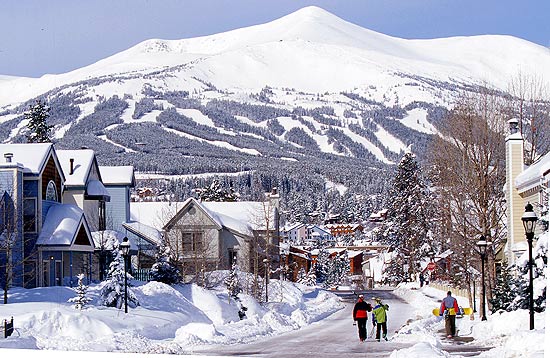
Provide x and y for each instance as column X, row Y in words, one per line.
column 506, row 334
column 170, row 319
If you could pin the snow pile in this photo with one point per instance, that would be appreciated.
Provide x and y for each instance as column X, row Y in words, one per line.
column 505, row 334
column 170, row 319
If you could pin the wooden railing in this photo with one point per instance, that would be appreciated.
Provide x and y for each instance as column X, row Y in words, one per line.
column 8, row 328
column 456, row 291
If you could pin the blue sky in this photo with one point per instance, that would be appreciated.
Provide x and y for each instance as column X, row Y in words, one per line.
column 56, row 36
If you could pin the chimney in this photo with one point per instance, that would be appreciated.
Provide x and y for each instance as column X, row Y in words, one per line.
column 513, row 124
column 71, row 170
column 8, row 157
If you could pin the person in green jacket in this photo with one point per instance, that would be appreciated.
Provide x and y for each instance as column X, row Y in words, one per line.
column 379, row 317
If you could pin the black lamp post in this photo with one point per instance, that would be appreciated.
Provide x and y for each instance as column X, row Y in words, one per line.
column 124, row 248
column 482, row 245
column 474, row 293
column 529, row 220
column 266, row 262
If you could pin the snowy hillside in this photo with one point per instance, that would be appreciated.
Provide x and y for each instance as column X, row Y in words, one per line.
column 308, row 91
column 289, row 51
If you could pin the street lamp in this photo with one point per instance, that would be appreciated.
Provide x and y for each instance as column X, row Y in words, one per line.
column 266, row 262
column 124, row 248
column 482, row 245
column 529, row 220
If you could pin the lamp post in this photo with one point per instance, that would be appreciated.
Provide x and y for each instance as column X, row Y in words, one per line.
column 482, row 245
column 124, row 248
column 529, row 220
column 266, row 262
column 474, row 294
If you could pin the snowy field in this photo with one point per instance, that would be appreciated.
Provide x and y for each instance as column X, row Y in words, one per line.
column 172, row 320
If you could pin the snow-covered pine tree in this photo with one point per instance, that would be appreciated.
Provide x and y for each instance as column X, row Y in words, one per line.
column 112, row 293
column 301, row 276
column 163, row 270
column 406, row 229
column 39, row 129
column 215, row 192
column 311, row 278
column 322, row 266
column 504, row 292
column 521, row 300
column 232, row 282
column 81, row 290
column 342, row 267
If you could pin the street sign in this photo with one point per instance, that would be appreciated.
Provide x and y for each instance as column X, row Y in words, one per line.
column 431, row 266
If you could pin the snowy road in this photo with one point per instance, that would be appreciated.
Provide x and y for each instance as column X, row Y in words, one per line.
column 334, row 336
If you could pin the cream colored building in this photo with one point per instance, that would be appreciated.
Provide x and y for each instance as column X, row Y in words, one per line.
column 523, row 185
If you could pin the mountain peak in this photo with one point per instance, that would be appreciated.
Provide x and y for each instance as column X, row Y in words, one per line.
column 312, row 12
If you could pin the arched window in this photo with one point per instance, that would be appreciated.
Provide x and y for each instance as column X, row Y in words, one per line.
column 51, row 191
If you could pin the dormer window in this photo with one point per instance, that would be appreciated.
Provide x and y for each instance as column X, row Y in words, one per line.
column 51, row 191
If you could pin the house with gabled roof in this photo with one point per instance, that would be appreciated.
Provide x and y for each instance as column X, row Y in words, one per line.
column 45, row 242
column 83, row 185
column 214, row 233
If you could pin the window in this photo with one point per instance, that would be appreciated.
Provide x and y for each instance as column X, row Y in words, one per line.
column 102, row 217
column 29, row 215
column 51, row 191
column 192, row 241
column 6, row 213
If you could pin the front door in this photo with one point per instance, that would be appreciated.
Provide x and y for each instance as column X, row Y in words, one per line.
column 51, row 272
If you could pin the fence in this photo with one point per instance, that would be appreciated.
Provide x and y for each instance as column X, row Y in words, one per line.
column 142, row 274
column 8, row 328
column 456, row 291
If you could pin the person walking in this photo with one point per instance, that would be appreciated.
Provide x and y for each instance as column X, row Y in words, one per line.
column 380, row 318
column 360, row 316
column 449, row 307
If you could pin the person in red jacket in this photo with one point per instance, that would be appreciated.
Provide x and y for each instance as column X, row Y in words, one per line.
column 449, row 306
column 360, row 315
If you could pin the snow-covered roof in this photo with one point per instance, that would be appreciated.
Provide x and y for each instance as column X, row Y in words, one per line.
column 109, row 239
column 531, row 176
column 61, row 225
column 353, row 253
column 117, row 175
column 32, row 156
column 154, row 214
column 95, row 188
column 246, row 212
column 294, row 226
column 147, row 232
column 83, row 161
column 319, row 228
column 239, row 216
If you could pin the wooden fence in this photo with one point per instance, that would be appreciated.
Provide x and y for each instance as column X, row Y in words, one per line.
column 456, row 291
column 8, row 328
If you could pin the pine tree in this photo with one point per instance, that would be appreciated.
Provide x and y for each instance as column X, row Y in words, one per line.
column 112, row 294
column 37, row 116
column 521, row 289
column 407, row 228
column 322, row 266
column 232, row 282
column 301, row 277
column 504, row 292
column 81, row 290
column 215, row 192
column 163, row 270
column 311, row 278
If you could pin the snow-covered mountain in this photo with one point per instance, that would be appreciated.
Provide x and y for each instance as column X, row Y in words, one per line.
column 308, row 87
